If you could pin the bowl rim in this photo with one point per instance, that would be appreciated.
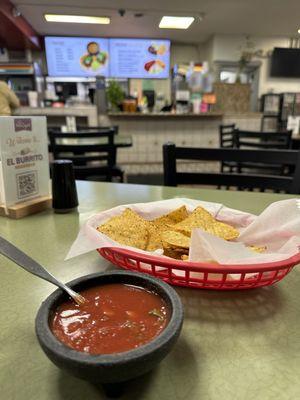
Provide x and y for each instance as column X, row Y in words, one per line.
column 48, row 339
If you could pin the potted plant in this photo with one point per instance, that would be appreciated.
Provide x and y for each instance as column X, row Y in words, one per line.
column 115, row 95
column 244, row 60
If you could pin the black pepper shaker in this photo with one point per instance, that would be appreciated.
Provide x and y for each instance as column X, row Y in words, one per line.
column 64, row 193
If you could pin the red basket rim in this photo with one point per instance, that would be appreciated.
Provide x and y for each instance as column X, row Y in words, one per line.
column 206, row 267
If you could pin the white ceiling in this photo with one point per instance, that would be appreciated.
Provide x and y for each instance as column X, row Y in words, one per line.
column 253, row 17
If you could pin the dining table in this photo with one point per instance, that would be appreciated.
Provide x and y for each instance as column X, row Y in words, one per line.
column 242, row 345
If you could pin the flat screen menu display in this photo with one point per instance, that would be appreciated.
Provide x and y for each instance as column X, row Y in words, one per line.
column 74, row 56
column 139, row 58
column 116, row 58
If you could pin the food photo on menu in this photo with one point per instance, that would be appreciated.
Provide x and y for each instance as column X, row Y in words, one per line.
column 95, row 58
column 156, row 66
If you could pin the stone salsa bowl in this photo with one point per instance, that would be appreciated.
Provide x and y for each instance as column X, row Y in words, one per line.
column 117, row 367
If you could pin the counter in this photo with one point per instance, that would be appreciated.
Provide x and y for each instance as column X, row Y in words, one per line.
column 163, row 115
column 150, row 131
column 85, row 115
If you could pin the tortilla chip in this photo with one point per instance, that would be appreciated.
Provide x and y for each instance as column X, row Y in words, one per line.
column 169, row 252
column 223, row 231
column 170, row 232
column 160, row 224
column 257, row 249
column 171, row 218
column 175, row 240
column 154, row 238
column 128, row 228
column 200, row 218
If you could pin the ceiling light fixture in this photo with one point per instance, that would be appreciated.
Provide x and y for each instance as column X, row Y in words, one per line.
column 298, row 30
column 77, row 19
column 168, row 22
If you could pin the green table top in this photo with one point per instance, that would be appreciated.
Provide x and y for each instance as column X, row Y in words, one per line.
column 234, row 345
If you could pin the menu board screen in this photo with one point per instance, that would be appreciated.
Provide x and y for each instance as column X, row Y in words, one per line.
column 116, row 58
column 77, row 56
column 139, row 58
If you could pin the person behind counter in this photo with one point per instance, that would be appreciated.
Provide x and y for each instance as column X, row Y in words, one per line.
column 8, row 100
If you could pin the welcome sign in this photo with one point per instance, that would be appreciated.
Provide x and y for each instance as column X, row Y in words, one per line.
column 24, row 166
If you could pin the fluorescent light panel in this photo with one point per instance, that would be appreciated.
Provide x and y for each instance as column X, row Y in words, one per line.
column 168, row 22
column 77, row 19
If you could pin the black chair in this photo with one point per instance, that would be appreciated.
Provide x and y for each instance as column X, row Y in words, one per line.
column 289, row 184
column 226, row 135
column 89, row 129
column 93, row 156
column 226, row 140
column 98, row 128
column 115, row 128
column 263, row 140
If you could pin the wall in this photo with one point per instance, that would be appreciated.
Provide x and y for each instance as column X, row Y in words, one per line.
column 228, row 48
column 206, row 50
column 184, row 53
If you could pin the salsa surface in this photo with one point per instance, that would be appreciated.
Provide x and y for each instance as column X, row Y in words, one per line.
column 116, row 318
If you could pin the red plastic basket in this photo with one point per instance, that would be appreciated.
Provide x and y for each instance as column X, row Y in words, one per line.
column 201, row 275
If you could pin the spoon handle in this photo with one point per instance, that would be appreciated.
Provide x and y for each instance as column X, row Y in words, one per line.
column 23, row 260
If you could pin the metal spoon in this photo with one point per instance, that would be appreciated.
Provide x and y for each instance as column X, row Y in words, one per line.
column 23, row 260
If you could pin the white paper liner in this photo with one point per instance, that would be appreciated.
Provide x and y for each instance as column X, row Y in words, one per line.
column 277, row 228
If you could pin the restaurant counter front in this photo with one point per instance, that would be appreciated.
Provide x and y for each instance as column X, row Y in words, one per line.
column 150, row 131
column 56, row 116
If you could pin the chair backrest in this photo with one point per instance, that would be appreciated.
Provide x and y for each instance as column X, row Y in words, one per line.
column 263, row 140
column 98, row 128
column 290, row 184
column 82, row 147
column 87, row 128
column 226, row 135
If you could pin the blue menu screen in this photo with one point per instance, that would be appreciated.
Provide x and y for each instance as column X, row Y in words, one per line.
column 139, row 58
column 117, row 58
column 75, row 56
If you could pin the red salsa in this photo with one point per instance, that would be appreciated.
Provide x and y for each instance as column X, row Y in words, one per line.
column 116, row 318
